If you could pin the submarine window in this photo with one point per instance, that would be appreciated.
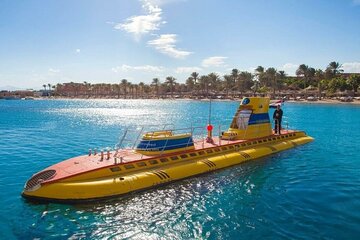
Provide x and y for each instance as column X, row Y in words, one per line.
column 129, row 166
column 249, row 143
column 224, row 148
column 193, row 154
column 184, row 156
column 255, row 142
column 163, row 160
column 265, row 140
column 209, row 151
column 243, row 144
column 277, row 137
column 273, row 139
column 243, row 117
column 231, row 147
column 141, row 164
column 174, row 158
column 217, row 149
column 152, row 162
column 282, row 136
column 260, row 141
column 115, row 169
column 201, row 153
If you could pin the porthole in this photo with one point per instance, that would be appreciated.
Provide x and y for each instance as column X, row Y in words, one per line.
column 141, row 164
column 129, row 166
column 153, row 162
column 163, row 160
column 115, row 169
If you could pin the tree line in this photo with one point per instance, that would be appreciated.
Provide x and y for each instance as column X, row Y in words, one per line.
column 267, row 81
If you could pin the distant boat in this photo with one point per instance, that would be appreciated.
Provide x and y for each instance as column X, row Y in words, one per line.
column 275, row 104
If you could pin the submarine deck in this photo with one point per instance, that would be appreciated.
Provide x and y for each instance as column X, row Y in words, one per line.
column 85, row 163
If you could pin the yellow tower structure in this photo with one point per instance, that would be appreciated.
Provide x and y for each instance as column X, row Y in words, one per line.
column 251, row 120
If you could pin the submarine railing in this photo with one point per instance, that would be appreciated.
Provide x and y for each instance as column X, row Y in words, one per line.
column 194, row 133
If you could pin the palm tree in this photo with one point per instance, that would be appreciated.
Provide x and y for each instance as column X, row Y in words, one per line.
column 234, row 75
column 228, row 83
column 190, row 85
column 155, row 83
column 44, row 86
column 245, row 81
column 170, row 81
column 141, row 89
column 195, row 77
column 334, row 68
column 213, row 82
column 354, row 82
column 129, row 87
column 280, row 79
column 302, row 71
column 260, row 73
column 319, row 75
column 124, row 84
column 49, row 88
column 271, row 76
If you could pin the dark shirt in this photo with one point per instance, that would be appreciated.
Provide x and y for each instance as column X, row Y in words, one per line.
column 278, row 114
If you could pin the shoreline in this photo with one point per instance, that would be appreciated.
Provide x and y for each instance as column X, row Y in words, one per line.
column 302, row 101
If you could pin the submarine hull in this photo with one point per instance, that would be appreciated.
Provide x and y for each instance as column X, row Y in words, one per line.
column 115, row 179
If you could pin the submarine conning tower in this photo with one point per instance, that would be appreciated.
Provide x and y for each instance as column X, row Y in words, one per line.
column 251, row 120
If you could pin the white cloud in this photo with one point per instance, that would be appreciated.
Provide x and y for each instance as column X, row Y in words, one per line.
column 351, row 67
column 53, row 71
column 145, row 68
column 290, row 68
column 142, row 24
column 187, row 69
column 215, row 61
column 77, row 50
column 165, row 43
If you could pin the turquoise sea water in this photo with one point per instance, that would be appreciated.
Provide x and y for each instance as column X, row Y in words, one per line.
column 310, row 192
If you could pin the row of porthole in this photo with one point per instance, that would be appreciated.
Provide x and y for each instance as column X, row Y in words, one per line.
column 194, row 154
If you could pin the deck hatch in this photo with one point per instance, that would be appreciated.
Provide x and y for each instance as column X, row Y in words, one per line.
column 40, row 177
column 245, row 155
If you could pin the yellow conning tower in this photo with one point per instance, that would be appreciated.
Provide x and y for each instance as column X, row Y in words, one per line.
column 251, row 120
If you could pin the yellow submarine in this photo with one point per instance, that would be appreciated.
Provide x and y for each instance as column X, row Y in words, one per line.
column 163, row 156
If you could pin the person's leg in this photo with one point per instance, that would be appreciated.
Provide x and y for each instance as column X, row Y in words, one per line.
column 279, row 125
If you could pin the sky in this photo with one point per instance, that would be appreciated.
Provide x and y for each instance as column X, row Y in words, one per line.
column 100, row 41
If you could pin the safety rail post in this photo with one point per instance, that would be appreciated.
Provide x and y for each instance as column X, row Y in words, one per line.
column 220, row 135
column 191, row 137
column 137, row 138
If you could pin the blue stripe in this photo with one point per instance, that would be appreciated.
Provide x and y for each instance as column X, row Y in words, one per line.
column 163, row 144
column 259, row 118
